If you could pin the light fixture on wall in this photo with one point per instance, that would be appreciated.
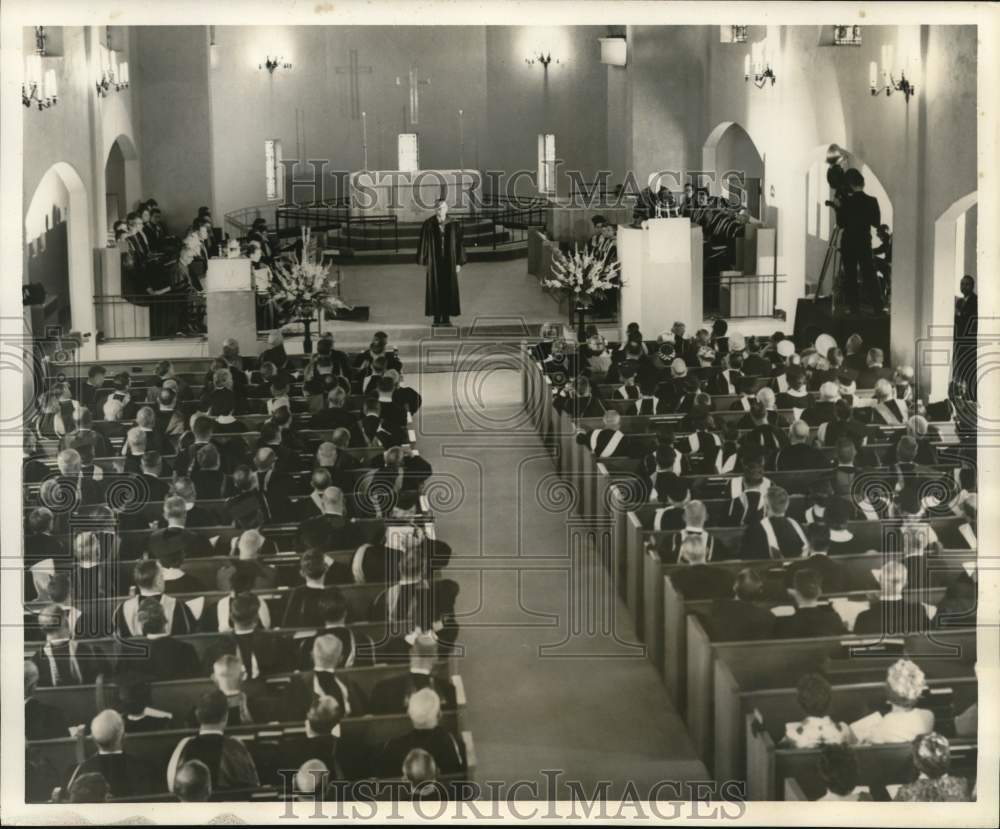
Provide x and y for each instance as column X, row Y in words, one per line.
column 739, row 34
column 270, row 64
column 544, row 58
column 758, row 66
column 889, row 83
column 846, row 35
column 39, row 83
column 114, row 75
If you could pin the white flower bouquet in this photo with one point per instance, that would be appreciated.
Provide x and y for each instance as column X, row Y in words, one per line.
column 585, row 275
column 302, row 288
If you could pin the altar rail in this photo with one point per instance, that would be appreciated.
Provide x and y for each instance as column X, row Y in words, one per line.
column 143, row 317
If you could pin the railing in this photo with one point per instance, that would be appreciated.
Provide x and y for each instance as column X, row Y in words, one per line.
column 237, row 222
column 742, row 297
column 141, row 316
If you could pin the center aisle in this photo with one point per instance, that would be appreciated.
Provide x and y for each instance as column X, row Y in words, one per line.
column 588, row 705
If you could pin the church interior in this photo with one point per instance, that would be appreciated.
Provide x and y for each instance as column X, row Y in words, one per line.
column 374, row 364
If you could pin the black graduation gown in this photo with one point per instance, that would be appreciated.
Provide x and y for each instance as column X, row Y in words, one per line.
column 440, row 250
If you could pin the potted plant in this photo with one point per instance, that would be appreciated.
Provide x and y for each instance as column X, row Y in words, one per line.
column 584, row 276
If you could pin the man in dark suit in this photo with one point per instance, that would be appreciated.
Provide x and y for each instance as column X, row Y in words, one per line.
column 337, row 416
column 799, row 453
column 275, row 352
column 175, row 536
column 206, row 474
column 358, row 648
column 197, row 516
column 339, row 463
column 810, row 617
column 156, row 488
column 63, row 660
column 321, row 741
column 860, row 213
column 288, row 461
column 699, row 580
column 824, row 410
column 40, row 546
column 86, row 441
column 248, row 700
column 329, row 530
column 202, row 428
column 833, row 577
column 157, row 655
column 424, row 710
column 91, row 392
column 303, row 606
column 126, row 774
column 323, row 680
column 754, row 365
column 892, row 614
column 874, row 370
column 843, row 425
column 739, row 619
column 276, row 486
column 394, row 471
column 41, row 721
column 392, row 695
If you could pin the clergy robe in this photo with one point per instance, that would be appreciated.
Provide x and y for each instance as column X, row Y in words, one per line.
column 440, row 250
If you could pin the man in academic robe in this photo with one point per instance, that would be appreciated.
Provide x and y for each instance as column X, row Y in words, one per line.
column 324, row 680
column 175, row 536
column 965, row 333
column 424, row 711
column 392, row 695
column 775, row 535
column 125, row 773
column 259, row 652
column 358, row 649
column 156, row 655
column 833, row 577
column 799, row 454
column 63, row 660
column 740, row 619
column 149, row 581
column 891, row 613
column 442, row 252
column 698, row 580
column 609, row 441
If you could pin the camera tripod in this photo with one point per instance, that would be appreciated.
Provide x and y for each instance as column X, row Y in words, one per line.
column 831, row 265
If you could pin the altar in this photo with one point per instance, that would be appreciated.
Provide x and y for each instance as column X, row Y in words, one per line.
column 410, row 194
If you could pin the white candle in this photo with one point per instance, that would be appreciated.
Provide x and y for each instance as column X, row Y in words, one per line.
column 746, row 66
column 873, row 75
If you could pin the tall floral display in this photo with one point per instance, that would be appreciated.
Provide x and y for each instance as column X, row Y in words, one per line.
column 585, row 276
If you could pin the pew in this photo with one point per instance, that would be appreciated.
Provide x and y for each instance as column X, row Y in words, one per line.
column 891, row 764
column 774, row 707
column 782, row 662
column 80, row 703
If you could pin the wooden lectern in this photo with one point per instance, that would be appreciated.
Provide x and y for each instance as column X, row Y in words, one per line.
column 230, row 304
column 661, row 271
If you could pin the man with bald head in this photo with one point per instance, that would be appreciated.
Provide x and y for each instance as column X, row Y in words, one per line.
column 193, row 783
column 424, row 711
column 340, row 464
column 127, row 774
column 800, row 453
column 321, row 742
column 276, row 486
column 391, row 696
column 609, row 441
column 324, row 681
column 176, row 537
column 335, row 414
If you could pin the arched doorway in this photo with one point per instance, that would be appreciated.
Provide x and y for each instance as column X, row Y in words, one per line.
column 730, row 153
column 121, row 180
column 955, row 246
column 57, row 252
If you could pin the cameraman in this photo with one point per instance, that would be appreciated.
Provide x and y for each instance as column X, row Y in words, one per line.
column 858, row 214
column 835, row 179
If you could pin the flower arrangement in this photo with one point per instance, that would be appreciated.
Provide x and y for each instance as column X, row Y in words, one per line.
column 302, row 288
column 585, row 275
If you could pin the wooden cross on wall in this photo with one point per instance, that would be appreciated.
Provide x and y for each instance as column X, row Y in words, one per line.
column 415, row 84
column 353, row 71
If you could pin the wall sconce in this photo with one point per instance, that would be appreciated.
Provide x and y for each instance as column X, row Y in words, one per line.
column 544, row 59
column 760, row 64
column 270, row 64
column 846, row 35
column 39, row 83
column 889, row 83
column 113, row 73
column 739, row 34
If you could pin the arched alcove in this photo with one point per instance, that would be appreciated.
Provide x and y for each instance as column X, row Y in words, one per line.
column 121, row 179
column 954, row 256
column 59, row 210
column 730, row 153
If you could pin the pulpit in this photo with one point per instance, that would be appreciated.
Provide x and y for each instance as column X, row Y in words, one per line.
column 230, row 303
column 661, row 271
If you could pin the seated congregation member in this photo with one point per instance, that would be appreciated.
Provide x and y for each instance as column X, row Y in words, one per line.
column 396, row 469
column 761, row 433
column 193, row 782
column 330, row 529
column 800, row 453
column 287, row 461
column 71, row 479
column 843, row 425
column 312, row 507
column 227, row 759
column 89, row 443
column 169, row 419
column 358, row 648
column 197, row 516
column 41, row 721
column 672, row 493
column 239, row 578
column 302, row 608
column 824, row 410
column 629, row 388
column 891, row 613
column 578, row 400
column 816, row 556
column 336, row 414
column 324, row 681
column 836, row 516
column 810, row 618
column 919, row 429
column 664, row 440
column 134, row 447
column 92, row 391
column 747, row 492
column 63, row 660
column 93, row 574
column 40, row 546
column 420, row 773
column 135, row 698
column 883, row 408
column 647, row 402
column 609, row 441
column 739, row 618
column 775, row 535
column 260, row 653
column 126, row 774
column 249, row 548
column 904, row 721
column 697, row 580
column 276, row 486
column 175, row 536
column 695, row 517
column 247, row 507
column 392, row 695
column 320, row 740
column 149, row 582
column 874, row 370
column 814, row 696
column 207, row 476
column 559, row 359
column 703, row 448
column 424, row 711
column 247, row 701
column 156, row 655
column 152, row 472
column 839, row 770
column 932, row 760
column 190, row 443
column 795, row 396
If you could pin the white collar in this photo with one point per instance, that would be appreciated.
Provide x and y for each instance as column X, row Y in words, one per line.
column 225, row 420
column 156, row 635
column 211, row 729
column 422, row 671
column 172, row 573
column 699, row 530
column 841, row 535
